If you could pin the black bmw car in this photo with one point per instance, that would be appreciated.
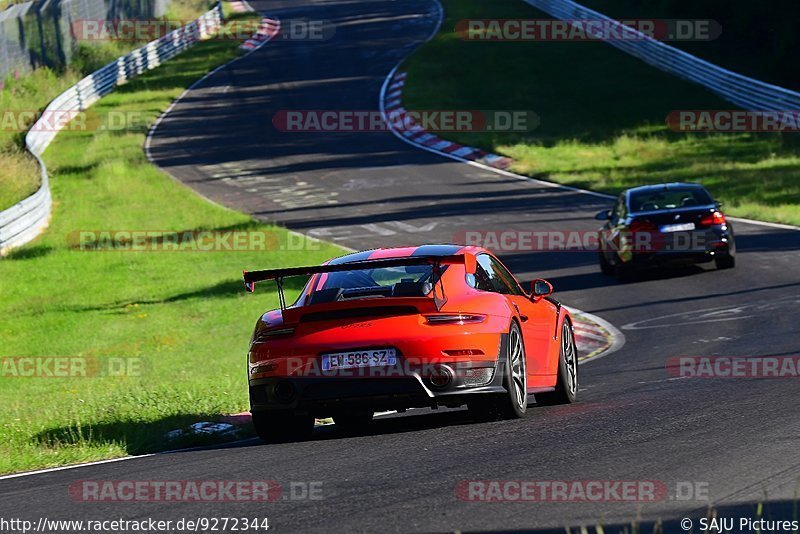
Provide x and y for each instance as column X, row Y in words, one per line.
column 666, row 223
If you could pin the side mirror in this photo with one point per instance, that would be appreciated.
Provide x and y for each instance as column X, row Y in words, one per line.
column 541, row 288
column 603, row 215
column 719, row 205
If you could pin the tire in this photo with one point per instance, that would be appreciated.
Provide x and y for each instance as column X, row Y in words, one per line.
column 566, row 391
column 725, row 261
column 282, row 426
column 624, row 272
column 514, row 403
column 605, row 267
column 352, row 422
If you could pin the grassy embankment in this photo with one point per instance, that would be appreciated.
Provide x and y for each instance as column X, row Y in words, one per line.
column 184, row 314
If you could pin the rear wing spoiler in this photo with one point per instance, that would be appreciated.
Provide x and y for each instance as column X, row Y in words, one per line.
column 251, row 277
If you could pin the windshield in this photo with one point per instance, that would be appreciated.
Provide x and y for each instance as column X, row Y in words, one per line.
column 669, row 199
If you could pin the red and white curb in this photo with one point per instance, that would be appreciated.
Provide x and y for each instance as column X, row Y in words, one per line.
column 395, row 113
column 595, row 337
column 266, row 32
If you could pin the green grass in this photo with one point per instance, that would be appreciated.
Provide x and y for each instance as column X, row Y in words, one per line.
column 757, row 39
column 185, row 314
column 602, row 117
column 19, row 175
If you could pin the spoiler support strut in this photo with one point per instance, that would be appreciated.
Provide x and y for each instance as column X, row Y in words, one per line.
column 281, row 296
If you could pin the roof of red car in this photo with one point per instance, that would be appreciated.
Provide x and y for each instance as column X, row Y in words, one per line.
column 405, row 252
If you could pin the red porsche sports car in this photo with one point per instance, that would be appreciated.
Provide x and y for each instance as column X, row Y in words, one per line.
column 391, row 329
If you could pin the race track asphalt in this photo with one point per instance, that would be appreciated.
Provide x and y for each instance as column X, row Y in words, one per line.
column 738, row 438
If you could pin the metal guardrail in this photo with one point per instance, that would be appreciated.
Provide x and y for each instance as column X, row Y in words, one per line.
column 25, row 220
column 745, row 92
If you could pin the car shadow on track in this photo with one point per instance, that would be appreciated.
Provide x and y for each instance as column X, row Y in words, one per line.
column 597, row 279
column 413, row 421
column 557, row 261
column 147, row 437
column 417, row 420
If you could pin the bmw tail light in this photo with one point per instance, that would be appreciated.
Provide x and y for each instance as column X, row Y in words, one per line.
column 642, row 226
column 713, row 219
column 454, row 318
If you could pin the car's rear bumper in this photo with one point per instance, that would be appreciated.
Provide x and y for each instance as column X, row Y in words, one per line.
column 324, row 396
column 662, row 258
column 687, row 248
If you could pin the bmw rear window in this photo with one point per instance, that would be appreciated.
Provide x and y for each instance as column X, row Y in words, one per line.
column 669, row 199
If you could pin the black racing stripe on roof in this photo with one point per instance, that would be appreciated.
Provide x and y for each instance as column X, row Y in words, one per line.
column 355, row 256
column 437, row 250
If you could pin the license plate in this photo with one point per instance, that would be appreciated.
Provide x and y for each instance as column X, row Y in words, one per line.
column 359, row 358
column 677, row 227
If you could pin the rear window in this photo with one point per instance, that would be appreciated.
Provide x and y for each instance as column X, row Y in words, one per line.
column 405, row 281
column 382, row 277
column 669, row 199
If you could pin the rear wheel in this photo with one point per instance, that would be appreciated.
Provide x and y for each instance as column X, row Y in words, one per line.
column 605, row 267
column 567, row 383
column 624, row 272
column 725, row 261
column 282, row 426
column 514, row 402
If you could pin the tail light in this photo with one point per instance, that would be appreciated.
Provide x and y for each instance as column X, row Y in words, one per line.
column 713, row 219
column 264, row 335
column 642, row 226
column 454, row 318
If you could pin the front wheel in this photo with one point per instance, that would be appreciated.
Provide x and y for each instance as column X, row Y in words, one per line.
column 282, row 426
column 566, row 391
column 605, row 267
